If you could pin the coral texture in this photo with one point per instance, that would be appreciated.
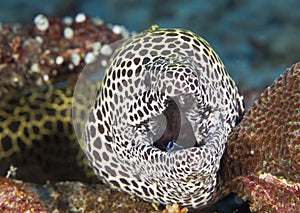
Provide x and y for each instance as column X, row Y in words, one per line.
column 15, row 197
column 33, row 56
column 263, row 155
column 18, row 196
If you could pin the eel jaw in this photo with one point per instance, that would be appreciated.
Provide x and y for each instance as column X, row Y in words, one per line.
column 176, row 129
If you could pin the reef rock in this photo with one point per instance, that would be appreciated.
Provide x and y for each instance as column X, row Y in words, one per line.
column 261, row 162
column 15, row 197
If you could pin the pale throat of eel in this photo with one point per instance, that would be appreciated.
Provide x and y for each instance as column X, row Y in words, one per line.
column 175, row 134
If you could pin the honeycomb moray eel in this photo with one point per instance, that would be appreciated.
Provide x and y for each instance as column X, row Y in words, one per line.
column 37, row 136
column 169, row 76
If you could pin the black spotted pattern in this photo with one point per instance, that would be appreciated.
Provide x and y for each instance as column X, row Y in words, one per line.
column 146, row 73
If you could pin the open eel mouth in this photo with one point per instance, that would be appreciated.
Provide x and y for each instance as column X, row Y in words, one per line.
column 178, row 132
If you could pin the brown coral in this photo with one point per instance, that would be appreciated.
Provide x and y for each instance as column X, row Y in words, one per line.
column 175, row 208
column 267, row 141
column 31, row 57
column 15, row 197
column 260, row 190
column 18, row 196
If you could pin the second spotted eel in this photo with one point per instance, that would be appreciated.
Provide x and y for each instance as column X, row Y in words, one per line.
column 159, row 125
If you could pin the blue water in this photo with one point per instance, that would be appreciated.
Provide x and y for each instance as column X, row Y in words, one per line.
column 256, row 39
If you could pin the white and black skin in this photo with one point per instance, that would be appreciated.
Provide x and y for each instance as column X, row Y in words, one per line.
column 159, row 125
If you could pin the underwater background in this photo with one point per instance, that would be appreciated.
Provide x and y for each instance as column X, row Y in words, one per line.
column 256, row 39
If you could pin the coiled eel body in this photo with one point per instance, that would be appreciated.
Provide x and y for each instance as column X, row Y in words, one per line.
column 160, row 122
